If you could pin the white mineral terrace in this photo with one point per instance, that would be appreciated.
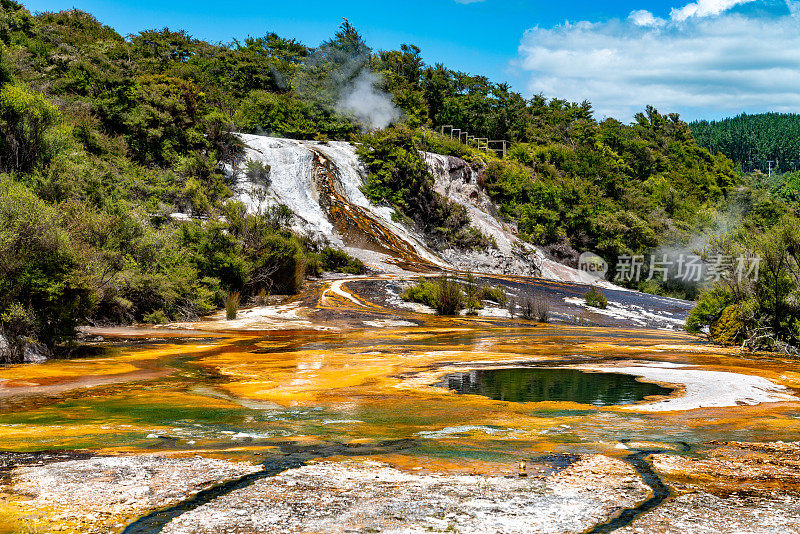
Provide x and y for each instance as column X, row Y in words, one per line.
column 701, row 388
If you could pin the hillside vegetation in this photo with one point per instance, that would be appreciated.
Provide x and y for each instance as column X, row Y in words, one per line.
column 105, row 138
column 766, row 141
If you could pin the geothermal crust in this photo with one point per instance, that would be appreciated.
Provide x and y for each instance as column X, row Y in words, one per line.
column 372, row 497
column 103, row 494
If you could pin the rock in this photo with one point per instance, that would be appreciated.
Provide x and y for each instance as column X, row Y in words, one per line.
column 36, row 353
column 32, row 353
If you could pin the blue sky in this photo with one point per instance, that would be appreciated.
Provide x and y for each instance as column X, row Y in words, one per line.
column 704, row 59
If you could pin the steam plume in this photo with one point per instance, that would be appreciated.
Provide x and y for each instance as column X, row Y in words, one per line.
column 362, row 100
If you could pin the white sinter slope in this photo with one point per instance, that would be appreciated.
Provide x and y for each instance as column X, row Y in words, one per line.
column 299, row 180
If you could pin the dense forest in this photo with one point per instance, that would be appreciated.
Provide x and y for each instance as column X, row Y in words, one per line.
column 105, row 137
column 765, row 142
column 760, row 313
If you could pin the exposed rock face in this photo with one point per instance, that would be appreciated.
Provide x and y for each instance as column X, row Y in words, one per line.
column 494, row 261
column 371, row 497
column 36, row 353
column 321, row 184
column 457, row 181
column 32, row 352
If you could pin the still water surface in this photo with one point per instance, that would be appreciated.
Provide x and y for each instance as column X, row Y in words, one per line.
column 539, row 385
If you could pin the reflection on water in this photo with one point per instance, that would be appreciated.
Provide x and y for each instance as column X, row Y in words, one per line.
column 525, row 384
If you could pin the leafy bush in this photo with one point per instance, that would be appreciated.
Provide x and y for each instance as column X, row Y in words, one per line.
column 284, row 115
column 258, row 173
column 708, row 310
column 595, row 298
column 25, row 119
column 423, row 292
column 339, row 261
column 449, row 297
column 475, row 293
column 443, row 294
column 472, row 294
column 16, row 326
column 160, row 117
column 45, row 288
column 231, row 302
column 156, row 317
column 430, row 141
column 495, row 294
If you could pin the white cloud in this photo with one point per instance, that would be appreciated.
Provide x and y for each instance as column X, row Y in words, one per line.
column 704, row 8
column 699, row 65
column 643, row 17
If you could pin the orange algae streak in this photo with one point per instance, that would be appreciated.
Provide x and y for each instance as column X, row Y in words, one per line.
column 371, row 385
column 62, row 375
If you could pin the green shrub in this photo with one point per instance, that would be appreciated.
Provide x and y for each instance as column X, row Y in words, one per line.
column 708, row 310
column 17, row 324
column 449, row 297
column 313, row 264
column 730, row 328
column 472, row 294
column 431, row 141
column 156, row 317
column 231, row 302
column 257, row 172
column 26, row 118
column 275, row 114
column 281, row 265
column 42, row 271
column 495, row 294
column 423, row 292
column 356, row 266
column 595, row 298
column 339, row 261
column 443, row 294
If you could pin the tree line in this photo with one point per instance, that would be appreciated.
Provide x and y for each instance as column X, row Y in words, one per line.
column 765, row 142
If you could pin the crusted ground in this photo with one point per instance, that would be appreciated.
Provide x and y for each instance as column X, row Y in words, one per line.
column 746, row 488
column 704, row 513
column 372, row 497
column 103, row 494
